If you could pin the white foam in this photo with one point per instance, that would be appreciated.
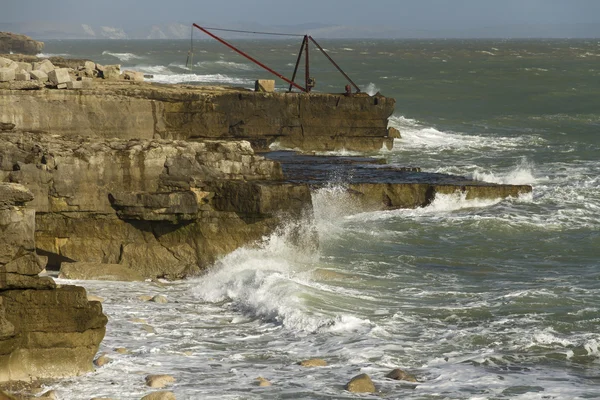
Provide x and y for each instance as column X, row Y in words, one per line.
column 222, row 64
column 371, row 89
column 122, row 56
column 521, row 174
column 209, row 78
column 48, row 55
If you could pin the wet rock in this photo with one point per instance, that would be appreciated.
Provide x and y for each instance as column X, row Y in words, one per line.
column 401, row 375
column 313, row 362
column 148, row 328
column 159, row 381
column 102, row 360
column 92, row 297
column 122, row 350
column 263, row 382
column 139, row 321
column 99, row 272
column 159, row 298
column 394, row 133
column 112, row 72
column 160, row 396
column 144, row 297
column 361, row 384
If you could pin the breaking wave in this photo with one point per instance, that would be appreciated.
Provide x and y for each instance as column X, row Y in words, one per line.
column 122, row 56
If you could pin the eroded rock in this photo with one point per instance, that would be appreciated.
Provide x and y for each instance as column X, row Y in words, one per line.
column 160, row 396
column 159, row 381
column 313, row 362
column 361, row 384
column 99, row 272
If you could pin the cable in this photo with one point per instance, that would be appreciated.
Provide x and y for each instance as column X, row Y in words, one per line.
column 259, row 33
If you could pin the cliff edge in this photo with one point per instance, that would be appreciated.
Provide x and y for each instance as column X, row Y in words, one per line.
column 16, row 43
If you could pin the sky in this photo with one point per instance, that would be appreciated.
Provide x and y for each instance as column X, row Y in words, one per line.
column 410, row 14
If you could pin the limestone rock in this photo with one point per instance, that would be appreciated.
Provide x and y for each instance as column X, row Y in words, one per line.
column 7, row 74
column 313, row 362
column 22, row 76
column 75, row 85
column 15, row 43
column 25, row 66
column 160, row 396
column 133, row 76
column 394, row 133
column 262, row 382
column 39, row 75
column 122, row 350
column 91, row 297
column 361, row 384
column 45, row 66
column 102, row 360
column 6, row 126
column 7, row 396
column 148, row 328
column 159, row 298
column 59, row 76
column 145, row 297
column 111, row 72
column 264, row 85
column 99, row 272
column 401, row 375
column 159, row 381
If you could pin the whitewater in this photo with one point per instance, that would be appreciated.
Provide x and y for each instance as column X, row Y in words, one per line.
column 479, row 299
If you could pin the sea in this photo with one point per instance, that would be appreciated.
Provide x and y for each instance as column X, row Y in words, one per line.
column 477, row 299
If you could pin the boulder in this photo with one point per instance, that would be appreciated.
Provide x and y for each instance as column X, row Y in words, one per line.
column 75, row 85
column 102, row 360
column 39, row 75
column 361, row 384
column 400, row 375
column 160, row 396
column 264, row 85
column 159, row 381
column 112, row 72
column 5, row 62
column 98, row 272
column 22, row 76
column 59, row 76
column 159, row 298
column 313, row 362
column 25, row 66
column 122, row 350
column 262, row 382
column 45, row 66
column 7, row 74
column 133, row 76
column 394, row 133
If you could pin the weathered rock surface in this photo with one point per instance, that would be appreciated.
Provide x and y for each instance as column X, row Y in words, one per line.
column 15, row 43
column 400, row 375
column 361, row 384
column 162, row 208
column 45, row 331
column 159, row 381
column 131, row 109
column 313, row 362
column 99, row 272
column 160, row 396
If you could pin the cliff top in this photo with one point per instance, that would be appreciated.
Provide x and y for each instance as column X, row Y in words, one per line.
column 16, row 43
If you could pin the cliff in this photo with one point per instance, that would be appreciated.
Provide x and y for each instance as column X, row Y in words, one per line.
column 141, row 110
column 46, row 331
column 15, row 43
column 164, row 208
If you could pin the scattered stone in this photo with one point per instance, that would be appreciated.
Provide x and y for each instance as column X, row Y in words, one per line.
column 263, row 382
column 264, row 85
column 61, row 86
column 92, row 297
column 74, row 85
column 25, row 66
column 98, row 272
column 59, row 76
column 45, row 66
column 133, row 76
column 122, row 350
column 394, row 133
column 112, row 72
column 145, row 297
column 102, row 360
column 148, row 328
column 160, row 396
column 22, row 76
column 39, row 75
column 159, row 381
column 313, row 362
column 7, row 74
column 4, row 62
column 400, row 375
column 159, row 298
column 139, row 321
column 361, row 384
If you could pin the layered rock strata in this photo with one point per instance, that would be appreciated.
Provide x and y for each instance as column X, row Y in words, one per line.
column 129, row 109
column 163, row 208
column 46, row 331
column 15, row 43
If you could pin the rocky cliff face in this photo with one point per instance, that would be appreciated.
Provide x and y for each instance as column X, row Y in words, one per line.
column 15, row 43
column 141, row 110
column 161, row 207
column 45, row 331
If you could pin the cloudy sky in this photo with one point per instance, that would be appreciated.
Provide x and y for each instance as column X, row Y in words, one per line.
column 437, row 15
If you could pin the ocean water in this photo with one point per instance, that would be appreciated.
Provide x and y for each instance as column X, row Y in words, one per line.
column 479, row 300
